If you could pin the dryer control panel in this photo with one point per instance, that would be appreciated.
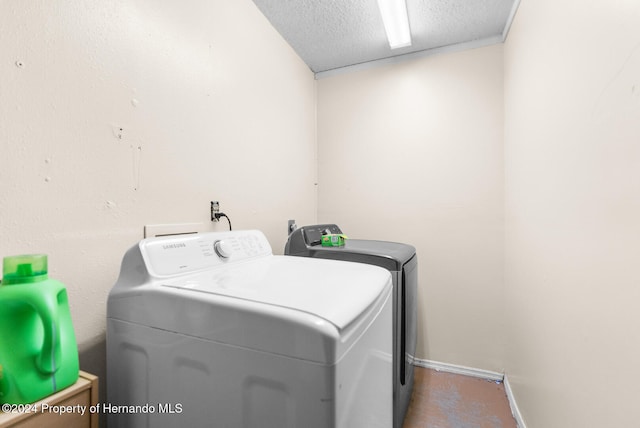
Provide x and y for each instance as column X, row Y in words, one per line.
column 181, row 254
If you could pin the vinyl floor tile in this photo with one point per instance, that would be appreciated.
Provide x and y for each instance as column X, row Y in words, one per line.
column 445, row 400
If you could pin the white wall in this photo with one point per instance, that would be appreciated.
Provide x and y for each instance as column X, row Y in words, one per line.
column 212, row 103
column 120, row 114
column 572, row 139
column 412, row 152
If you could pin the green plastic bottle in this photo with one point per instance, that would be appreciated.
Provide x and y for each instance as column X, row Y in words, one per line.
column 38, row 351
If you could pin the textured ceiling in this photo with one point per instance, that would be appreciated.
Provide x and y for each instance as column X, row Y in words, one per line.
column 331, row 34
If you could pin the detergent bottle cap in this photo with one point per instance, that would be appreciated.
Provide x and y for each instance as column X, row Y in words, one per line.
column 24, row 269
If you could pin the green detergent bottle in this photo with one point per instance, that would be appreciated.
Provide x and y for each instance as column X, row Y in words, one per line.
column 38, row 351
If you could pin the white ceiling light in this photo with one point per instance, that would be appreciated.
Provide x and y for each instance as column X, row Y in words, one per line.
column 396, row 22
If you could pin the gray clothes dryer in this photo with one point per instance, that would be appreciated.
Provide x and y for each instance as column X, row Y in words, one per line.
column 402, row 262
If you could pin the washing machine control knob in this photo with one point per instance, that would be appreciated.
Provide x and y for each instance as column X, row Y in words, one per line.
column 223, row 249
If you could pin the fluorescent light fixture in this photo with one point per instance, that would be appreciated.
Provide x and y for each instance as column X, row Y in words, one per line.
column 396, row 22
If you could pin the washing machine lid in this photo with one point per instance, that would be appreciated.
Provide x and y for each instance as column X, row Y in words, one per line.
column 228, row 287
column 336, row 291
column 389, row 255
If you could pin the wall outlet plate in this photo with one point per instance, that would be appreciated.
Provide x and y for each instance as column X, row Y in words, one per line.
column 215, row 209
column 291, row 226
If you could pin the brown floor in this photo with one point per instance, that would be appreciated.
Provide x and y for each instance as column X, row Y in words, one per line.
column 445, row 400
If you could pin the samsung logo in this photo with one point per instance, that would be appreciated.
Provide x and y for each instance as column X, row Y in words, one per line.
column 174, row 246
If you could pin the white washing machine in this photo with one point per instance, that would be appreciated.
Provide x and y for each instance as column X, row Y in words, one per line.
column 213, row 330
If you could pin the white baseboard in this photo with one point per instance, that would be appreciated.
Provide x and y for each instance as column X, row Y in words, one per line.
column 515, row 411
column 453, row 368
column 478, row 373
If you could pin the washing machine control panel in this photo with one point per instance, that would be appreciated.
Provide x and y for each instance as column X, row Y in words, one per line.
column 180, row 254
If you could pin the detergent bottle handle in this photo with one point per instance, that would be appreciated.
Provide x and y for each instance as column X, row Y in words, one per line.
column 49, row 357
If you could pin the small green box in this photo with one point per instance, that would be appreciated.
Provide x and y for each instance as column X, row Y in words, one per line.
column 333, row 240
